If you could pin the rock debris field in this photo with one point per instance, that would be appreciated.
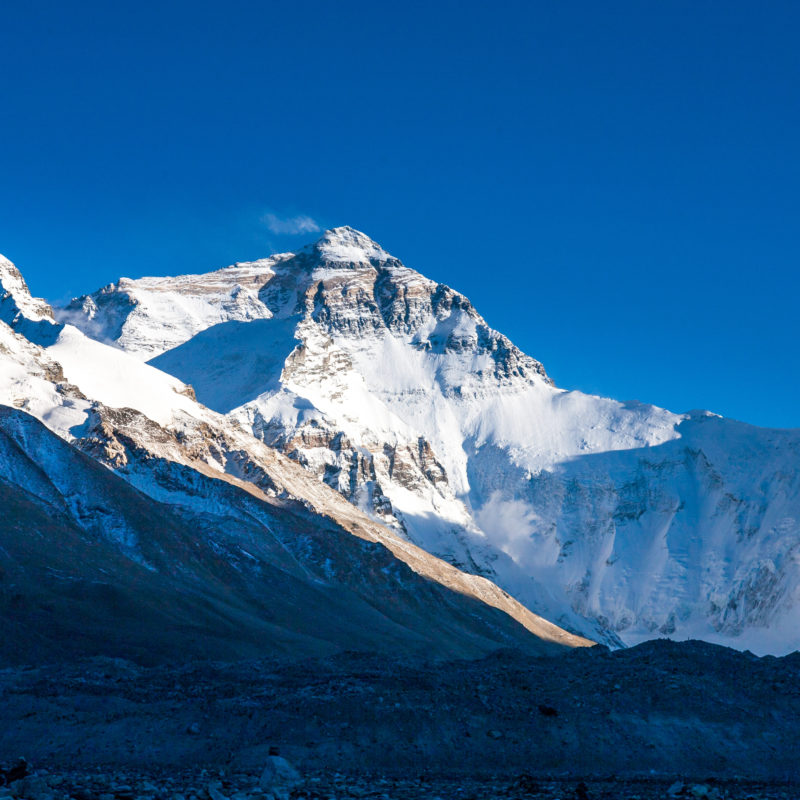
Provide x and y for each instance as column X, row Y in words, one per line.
column 662, row 719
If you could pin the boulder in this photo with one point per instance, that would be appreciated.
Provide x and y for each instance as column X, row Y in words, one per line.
column 279, row 777
column 214, row 791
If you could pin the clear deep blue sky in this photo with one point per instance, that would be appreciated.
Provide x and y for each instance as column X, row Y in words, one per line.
column 615, row 185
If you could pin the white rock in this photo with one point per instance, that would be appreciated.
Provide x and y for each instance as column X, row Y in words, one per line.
column 279, row 777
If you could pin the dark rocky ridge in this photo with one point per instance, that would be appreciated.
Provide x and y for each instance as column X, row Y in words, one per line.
column 89, row 565
column 659, row 711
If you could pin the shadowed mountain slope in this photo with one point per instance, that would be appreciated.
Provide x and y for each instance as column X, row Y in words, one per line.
column 90, row 565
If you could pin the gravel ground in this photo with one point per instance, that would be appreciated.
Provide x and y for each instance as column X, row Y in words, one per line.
column 205, row 784
column 628, row 724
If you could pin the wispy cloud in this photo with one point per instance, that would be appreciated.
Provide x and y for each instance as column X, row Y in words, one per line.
column 290, row 225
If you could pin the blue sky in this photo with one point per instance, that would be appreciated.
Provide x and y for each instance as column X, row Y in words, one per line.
column 615, row 185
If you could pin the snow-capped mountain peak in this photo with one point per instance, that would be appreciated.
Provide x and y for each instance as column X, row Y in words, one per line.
column 240, row 501
column 616, row 519
column 15, row 297
column 345, row 245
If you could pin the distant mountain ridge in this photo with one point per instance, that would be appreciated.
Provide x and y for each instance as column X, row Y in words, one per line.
column 616, row 520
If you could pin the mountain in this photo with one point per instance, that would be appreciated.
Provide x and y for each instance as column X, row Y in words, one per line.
column 138, row 523
column 620, row 521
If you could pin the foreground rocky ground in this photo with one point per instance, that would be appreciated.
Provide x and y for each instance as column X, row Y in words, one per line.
column 658, row 720
column 215, row 785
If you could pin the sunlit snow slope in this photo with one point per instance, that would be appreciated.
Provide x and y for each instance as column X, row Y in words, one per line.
column 616, row 519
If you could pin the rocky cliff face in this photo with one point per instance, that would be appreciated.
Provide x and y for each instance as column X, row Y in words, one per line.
column 615, row 519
